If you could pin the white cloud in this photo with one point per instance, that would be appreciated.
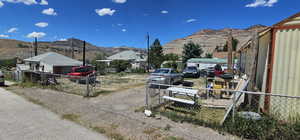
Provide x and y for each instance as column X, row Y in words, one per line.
column 1, row 4
column 27, row 2
column 119, row 1
column 124, row 30
column 191, row 20
column 63, row 39
column 262, row 3
column 120, row 24
column 44, row 2
column 36, row 35
column 105, row 11
column 164, row 12
column 4, row 36
column 42, row 24
column 12, row 30
column 50, row 12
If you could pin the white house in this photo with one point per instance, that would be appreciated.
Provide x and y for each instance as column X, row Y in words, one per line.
column 51, row 62
column 137, row 60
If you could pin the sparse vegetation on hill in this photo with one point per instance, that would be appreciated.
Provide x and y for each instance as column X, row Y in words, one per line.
column 14, row 48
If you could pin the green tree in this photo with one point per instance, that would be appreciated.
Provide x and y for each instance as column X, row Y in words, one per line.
column 120, row 65
column 235, row 42
column 208, row 55
column 100, row 66
column 171, row 57
column 191, row 50
column 156, row 55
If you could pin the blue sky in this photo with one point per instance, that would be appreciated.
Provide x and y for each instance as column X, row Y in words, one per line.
column 126, row 22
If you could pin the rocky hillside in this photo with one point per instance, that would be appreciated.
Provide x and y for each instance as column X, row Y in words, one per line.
column 15, row 48
column 210, row 39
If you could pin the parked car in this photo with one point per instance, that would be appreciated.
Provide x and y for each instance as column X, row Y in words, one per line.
column 79, row 74
column 165, row 76
column 82, row 71
column 2, row 81
column 210, row 72
column 191, row 72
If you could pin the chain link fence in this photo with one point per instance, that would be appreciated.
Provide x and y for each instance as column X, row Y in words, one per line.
column 215, row 106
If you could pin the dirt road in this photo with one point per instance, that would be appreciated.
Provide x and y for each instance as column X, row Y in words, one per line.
column 23, row 120
column 117, row 112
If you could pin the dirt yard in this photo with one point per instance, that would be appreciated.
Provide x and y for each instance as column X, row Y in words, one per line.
column 117, row 114
column 104, row 84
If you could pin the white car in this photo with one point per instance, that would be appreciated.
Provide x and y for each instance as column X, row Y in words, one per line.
column 1, row 79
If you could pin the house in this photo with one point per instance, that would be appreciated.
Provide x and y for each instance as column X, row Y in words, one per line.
column 204, row 63
column 272, row 60
column 137, row 60
column 51, row 62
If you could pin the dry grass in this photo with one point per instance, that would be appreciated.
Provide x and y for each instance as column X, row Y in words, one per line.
column 107, row 84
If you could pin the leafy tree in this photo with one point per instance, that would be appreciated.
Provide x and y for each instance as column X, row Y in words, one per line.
column 208, row 55
column 191, row 50
column 235, row 42
column 120, row 65
column 100, row 66
column 171, row 57
column 156, row 55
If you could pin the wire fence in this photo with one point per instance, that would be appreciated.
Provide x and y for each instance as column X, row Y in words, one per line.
column 91, row 85
column 212, row 106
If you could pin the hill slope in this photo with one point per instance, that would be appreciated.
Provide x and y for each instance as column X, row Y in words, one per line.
column 209, row 39
column 14, row 48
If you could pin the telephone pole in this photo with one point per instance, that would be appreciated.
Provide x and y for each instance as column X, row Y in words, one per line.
column 72, row 48
column 83, row 53
column 35, row 46
column 148, row 51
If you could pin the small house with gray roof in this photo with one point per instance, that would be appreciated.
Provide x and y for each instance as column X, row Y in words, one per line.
column 52, row 62
column 137, row 59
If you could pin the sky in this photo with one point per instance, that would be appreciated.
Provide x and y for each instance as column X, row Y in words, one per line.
column 114, row 23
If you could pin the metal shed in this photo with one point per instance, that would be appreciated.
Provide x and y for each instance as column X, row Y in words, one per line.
column 283, row 76
column 276, row 64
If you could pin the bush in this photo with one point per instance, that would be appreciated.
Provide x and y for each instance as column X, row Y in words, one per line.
column 120, row 65
column 266, row 128
column 8, row 63
column 138, row 70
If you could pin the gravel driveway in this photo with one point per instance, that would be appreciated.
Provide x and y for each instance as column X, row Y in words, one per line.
column 23, row 120
column 117, row 111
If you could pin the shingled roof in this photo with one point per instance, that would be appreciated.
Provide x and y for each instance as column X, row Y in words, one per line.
column 55, row 59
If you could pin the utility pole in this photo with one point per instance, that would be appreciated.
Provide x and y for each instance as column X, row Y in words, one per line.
column 72, row 47
column 229, row 47
column 35, row 46
column 83, row 53
column 148, row 51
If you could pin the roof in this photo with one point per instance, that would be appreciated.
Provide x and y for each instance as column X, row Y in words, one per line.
column 128, row 55
column 287, row 20
column 52, row 58
column 208, row 60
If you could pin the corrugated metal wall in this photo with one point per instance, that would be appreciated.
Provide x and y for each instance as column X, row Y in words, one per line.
column 286, row 70
column 264, row 43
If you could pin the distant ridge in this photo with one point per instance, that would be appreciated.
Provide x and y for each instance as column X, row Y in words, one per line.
column 10, row 48
column 210, row 38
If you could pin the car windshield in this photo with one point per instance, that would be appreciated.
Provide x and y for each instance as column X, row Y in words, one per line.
column 191, row 68
column 161, row 71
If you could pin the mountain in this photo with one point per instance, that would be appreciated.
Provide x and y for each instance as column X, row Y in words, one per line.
column 209, row 39
column 14, row 48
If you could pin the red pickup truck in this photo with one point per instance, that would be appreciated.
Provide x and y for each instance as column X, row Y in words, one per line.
column 82, row 71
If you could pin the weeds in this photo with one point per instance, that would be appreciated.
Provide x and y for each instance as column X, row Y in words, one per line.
column 172, row 138
column 167, row 127
column 71, row 117
column 266, row 128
